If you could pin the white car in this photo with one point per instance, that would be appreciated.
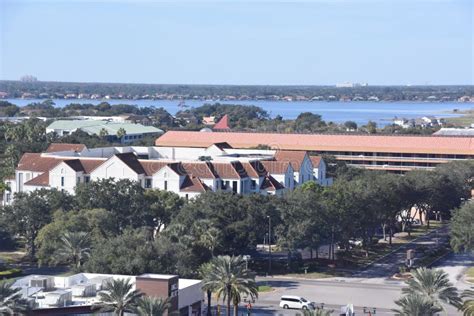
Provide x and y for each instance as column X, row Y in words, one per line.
column 296, row 302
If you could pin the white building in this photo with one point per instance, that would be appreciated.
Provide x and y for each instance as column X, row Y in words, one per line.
column 187, row 171
column 77, row 294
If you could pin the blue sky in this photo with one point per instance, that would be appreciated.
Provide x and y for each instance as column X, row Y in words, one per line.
column 239, row 42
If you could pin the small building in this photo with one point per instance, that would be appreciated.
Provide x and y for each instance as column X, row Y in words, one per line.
column 78, row 293
column 110, row 130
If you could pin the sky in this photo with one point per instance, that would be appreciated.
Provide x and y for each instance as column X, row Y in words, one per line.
column 262, row 42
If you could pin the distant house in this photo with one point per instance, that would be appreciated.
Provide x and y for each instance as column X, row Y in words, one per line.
column 222, row 125
column 133, row 132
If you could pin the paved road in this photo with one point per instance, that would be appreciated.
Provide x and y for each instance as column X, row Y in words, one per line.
column 390, row 264
column 333, row 294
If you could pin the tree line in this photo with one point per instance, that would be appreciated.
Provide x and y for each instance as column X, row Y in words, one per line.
column 15, row 89
column 125, row 229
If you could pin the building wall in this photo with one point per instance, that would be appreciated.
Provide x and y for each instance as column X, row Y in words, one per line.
column 62, row 177
column 167, row 179
column 115, row 168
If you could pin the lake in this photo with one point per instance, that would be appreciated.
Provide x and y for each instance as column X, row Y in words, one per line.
column 360, row 112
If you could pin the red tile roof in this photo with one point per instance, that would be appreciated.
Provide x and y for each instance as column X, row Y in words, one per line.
column 315, row 160
column 324, row 142
column 275, row 167
column 223, row 124
column 202, row 170
column 193, row 184
column 254, row 169
column 55, row 147
column 295, row 158
column 34, row 162
column 41, row 180
column 232, row 170
column 151, row 167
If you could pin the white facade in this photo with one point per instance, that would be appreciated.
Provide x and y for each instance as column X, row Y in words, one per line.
column 166, row 168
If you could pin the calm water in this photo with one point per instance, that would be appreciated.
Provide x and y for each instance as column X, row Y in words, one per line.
column 339, row 112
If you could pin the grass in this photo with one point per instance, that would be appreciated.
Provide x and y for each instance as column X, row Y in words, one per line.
column 463, row 121
column 470, row 275
column 317, row 275
column 264, row 288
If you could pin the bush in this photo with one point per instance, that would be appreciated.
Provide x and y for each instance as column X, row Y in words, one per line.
column 10, row 273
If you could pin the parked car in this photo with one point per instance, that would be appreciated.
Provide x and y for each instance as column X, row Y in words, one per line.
column 296, row 302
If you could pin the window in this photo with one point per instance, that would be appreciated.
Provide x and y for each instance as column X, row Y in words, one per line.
column 8, row 197
column 147, row 183
column 87, row 179
column 234, row 186
column 62, row 181
column 166, row 185
column 253, row 185
column 187, row 197
column 78, row 180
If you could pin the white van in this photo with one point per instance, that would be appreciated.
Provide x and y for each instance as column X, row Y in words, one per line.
column 297, row 302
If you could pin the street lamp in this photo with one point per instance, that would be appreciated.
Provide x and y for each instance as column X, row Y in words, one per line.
column 269, row 245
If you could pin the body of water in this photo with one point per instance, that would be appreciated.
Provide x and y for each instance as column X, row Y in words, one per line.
column 339, row 112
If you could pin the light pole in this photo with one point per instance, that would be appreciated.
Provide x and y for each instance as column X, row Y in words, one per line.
column 269, row 245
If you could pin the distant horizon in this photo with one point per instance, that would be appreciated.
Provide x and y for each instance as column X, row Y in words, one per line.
column 239, row 42
column 249, row 85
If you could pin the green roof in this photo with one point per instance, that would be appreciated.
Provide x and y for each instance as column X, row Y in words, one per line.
column 94, row 127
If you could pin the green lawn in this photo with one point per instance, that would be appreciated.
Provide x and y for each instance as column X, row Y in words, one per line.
column 264, row 288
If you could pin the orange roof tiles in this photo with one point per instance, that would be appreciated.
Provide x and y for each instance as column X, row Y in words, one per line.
column 294, row 157
column 200, row 169
column 315, row 160
column 193, row 184
column 324, row 142
column 275, row 167
column 55, row 147
column 34, row 162
column 41, row 180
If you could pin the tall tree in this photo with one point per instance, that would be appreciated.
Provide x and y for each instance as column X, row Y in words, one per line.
column 27, row 215
column 151, row 306
column 434, row 285
column 416, row 305
column 75, row 248
column 230, row 279
column 118, row 297
column 462, row 228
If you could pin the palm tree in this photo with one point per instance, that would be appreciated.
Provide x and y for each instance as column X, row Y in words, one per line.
column 121, row 132
column 434, row 285
column 229, row 278
column 103, row 133
column 151, row 306
column 204, row 272
column 11, row 301
column 468, row 305
column 118, row 297
column 318, row 312
column 75, row 247
column 416, row 305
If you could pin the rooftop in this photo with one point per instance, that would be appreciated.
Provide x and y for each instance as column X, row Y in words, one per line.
column 324, row 142
column 95, row 126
